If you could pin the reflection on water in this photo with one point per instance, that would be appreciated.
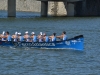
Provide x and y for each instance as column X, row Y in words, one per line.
column 4, row 14
column 29, row 61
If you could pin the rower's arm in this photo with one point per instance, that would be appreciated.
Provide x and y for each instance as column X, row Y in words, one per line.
column 50, row 37
column 60, row 36
column 0, row 35
column 31, row 36
column 12, row 36
column 4, row 36
column 24, row 36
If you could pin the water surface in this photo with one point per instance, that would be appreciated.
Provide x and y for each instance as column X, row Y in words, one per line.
column 26, row 61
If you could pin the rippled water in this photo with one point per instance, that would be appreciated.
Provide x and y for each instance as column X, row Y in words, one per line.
column 26, row 61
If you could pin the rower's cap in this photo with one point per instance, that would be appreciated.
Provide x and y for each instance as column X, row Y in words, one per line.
column 44, row 34
column 19, row 33
column 16, row 33
column 33, row 33
column 3, row 32
column 41, row 33
column 26, row 32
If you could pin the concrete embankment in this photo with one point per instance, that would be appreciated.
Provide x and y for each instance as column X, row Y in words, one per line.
column 81, row 8
column 54, row 8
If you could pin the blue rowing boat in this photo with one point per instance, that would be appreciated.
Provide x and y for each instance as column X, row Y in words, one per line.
column 75, row 43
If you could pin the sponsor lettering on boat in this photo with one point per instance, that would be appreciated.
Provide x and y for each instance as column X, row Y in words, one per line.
column 75, row 41
column 67, row 42
column 35, row 44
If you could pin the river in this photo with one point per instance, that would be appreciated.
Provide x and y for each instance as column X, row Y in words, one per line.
column 27, row 61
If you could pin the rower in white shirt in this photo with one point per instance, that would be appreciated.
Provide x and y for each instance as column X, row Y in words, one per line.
column 40, row 37
column 20, row 37
column 33, row 37
column 27, row 36
column 53, row 37
column 7, row 36
column 2, row 36
column 63, row 36
column 15, row 37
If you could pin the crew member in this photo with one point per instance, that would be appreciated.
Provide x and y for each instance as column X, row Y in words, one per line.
column 26, row 36
column 2, row 36
column 63, row 36
column 45, row 38
column 53, row 37
column 40, row 37
column 7, row 36
column 34, row 37
column 20, row 37
column 15, row 36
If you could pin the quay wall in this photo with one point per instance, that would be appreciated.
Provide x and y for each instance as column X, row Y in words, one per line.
column 54, row 8
column 82, row 8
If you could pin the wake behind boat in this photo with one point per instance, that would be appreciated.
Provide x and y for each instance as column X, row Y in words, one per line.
column 75, row 43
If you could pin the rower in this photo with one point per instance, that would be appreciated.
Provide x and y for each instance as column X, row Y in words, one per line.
column 40, row 37
column 7, row 36
column 45, row 38
column 26, row 36
column 34, row 37
column 15, row 36
column 63, row 36
column 2, row 36
column 53, row 37
column 20, row 37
